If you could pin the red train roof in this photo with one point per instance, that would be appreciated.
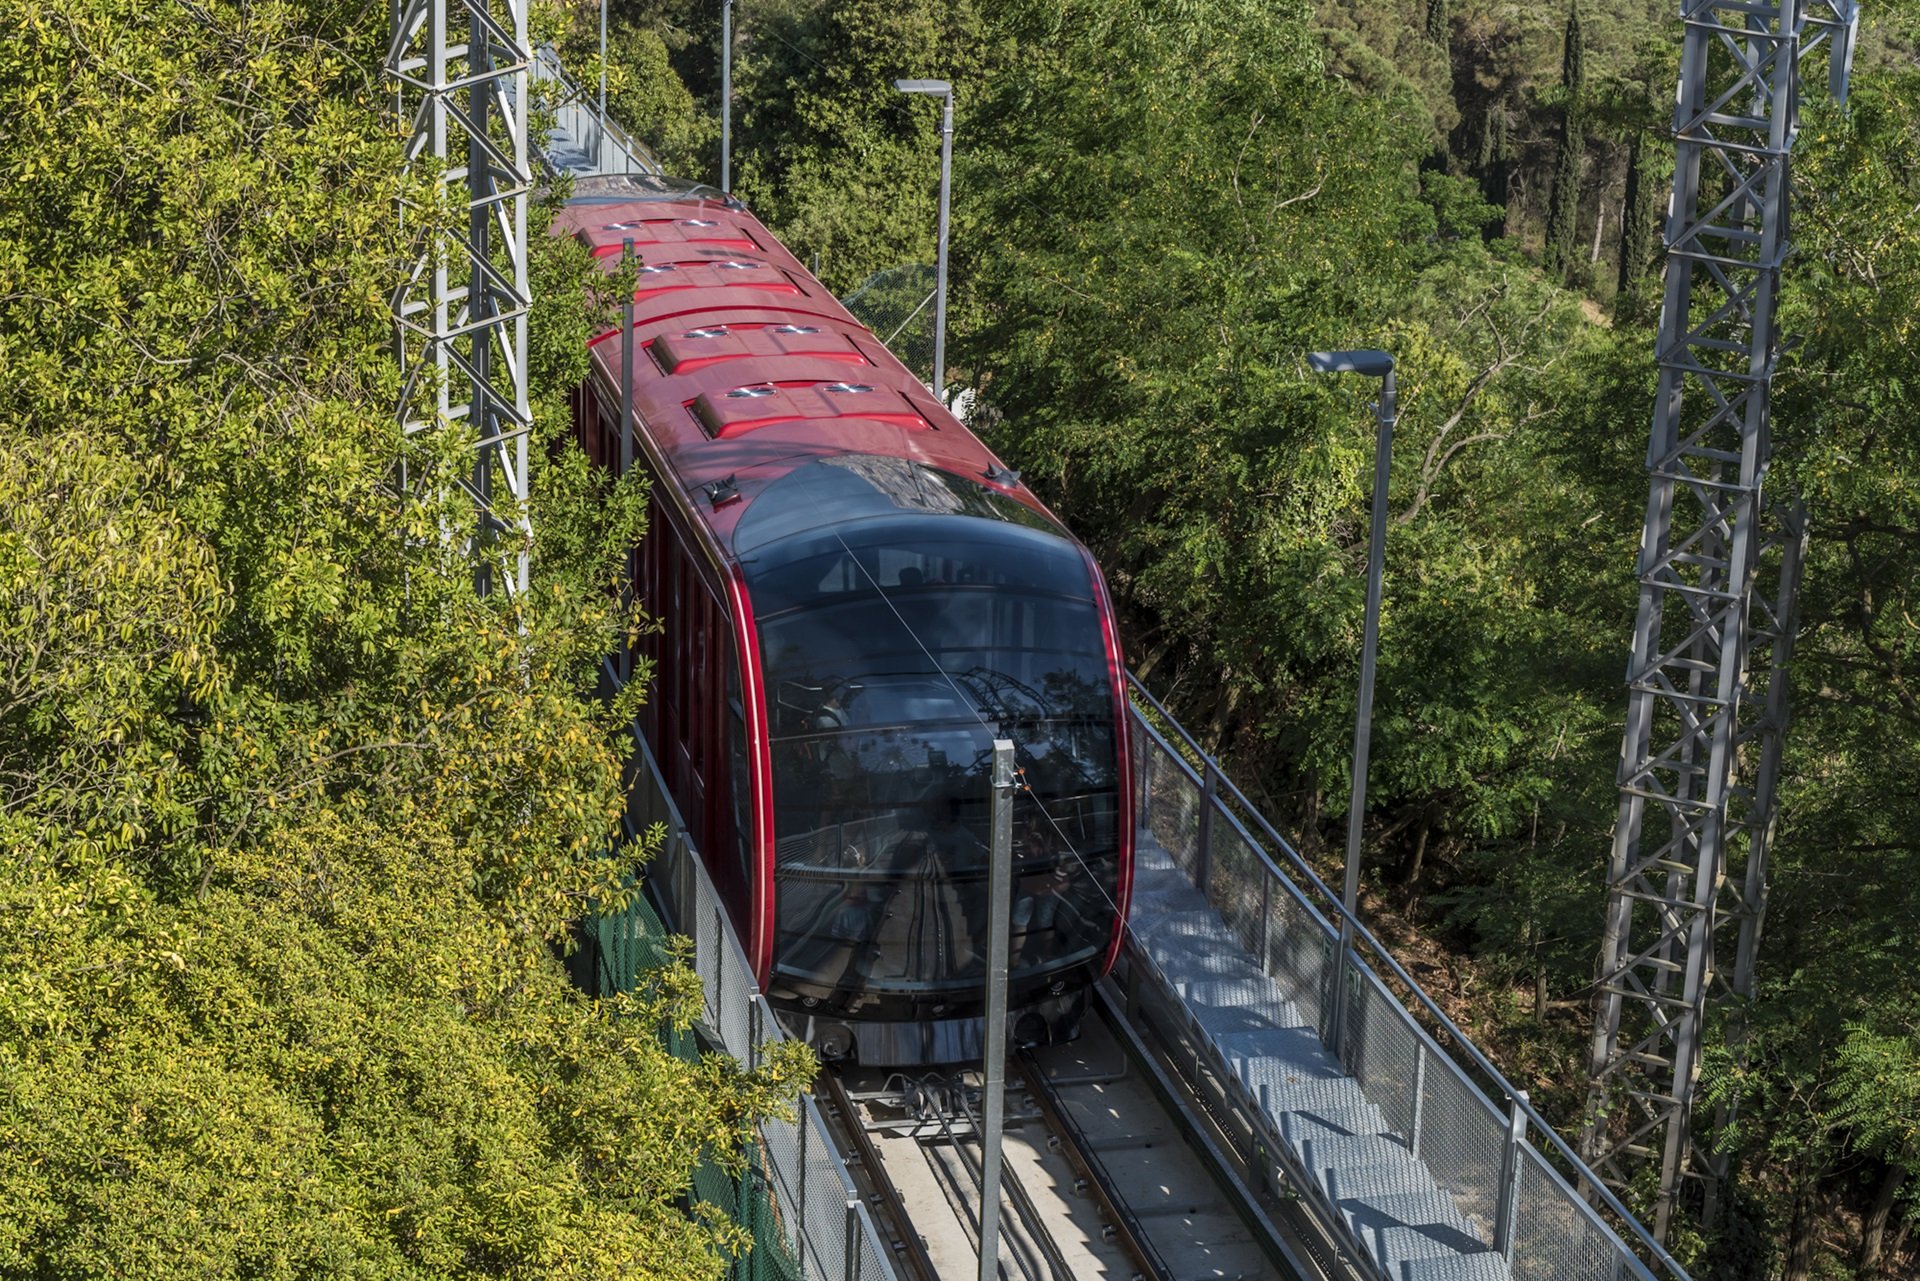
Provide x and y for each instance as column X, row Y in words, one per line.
column 744, row 365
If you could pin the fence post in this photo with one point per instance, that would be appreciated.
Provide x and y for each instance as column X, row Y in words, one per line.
column 1266, row 925
column 1419, row 1092
column 1510, row 1177
column 714, row 1018
column 800, row 1176
column 1203, row 857
column 852, row 1272
column 1143, row 770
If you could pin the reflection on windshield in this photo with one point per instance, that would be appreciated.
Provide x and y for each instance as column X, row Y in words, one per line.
column 897, row 651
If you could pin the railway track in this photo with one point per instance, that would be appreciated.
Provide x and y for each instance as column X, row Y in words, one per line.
column 1103, row 1175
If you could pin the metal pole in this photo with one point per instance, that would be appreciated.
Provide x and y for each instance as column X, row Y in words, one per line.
column 600, row 130
column 626, row 424
column 1503, row 1211
column 999, row 958
column 726, row 95
column 626, row 356
column 1363, row 721
column 940, row 269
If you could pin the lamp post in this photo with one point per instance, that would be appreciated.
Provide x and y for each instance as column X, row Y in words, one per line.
column 999, row 961
column 726, row 95
column 600, row 133
column 1374, row 364
column 944, row 91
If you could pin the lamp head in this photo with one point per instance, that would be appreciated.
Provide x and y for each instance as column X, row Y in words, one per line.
column 1369, row 361
column 938, row 88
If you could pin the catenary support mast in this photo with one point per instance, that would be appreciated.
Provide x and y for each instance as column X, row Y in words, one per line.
column 1719, row 565
column 459, row 70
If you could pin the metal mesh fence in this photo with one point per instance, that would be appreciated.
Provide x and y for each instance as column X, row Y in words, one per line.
column 829, row 1192
column 897, row 304
column 1236, row 882
column 869, row 1265
column 1463, row 1141
column 1299, row 953
column 1172, row 807
column 1557, row 1237
column 1384, row 1054
column 1424, row 1096
column 795, row 1194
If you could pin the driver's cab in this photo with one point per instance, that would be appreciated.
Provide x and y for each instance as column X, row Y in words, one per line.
column 900, row 642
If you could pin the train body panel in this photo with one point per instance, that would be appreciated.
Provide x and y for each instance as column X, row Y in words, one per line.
column 858, row 597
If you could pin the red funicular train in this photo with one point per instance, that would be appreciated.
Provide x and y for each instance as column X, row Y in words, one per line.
column 858, row 599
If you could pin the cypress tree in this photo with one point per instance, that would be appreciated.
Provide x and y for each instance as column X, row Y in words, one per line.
column 1437, row 22
column 1573, row 58
column 1636, row 218
column 1493, row 158
column 1563, row 206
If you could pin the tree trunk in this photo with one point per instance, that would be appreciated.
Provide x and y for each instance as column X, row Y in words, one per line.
column 1599, row 226
column 1873, row 1228
column 1152, row 660
column 1419, row 852
column 1899, row 1243
column 1803, row 1231
column 1540, row 994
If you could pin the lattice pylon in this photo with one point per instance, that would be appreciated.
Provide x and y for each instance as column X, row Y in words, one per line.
column 460, row 75
column 1702, row 744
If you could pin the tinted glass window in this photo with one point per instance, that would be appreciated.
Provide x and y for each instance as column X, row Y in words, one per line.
column 849, row 487
column 897, row 650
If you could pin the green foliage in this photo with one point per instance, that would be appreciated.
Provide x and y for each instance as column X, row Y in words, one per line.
column 1388, row 49
column 1636, row 218
column 1199, row 213
column 1161, row 207
column 1573, row 57
column 291, row 822
column 651, row 102
column 1562, row 252
column 828, row 150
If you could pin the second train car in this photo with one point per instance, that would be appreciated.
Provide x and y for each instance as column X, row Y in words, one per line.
column 858, row 597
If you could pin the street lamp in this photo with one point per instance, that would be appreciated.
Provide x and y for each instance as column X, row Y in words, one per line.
column 1373, row 364
column 600, row 131
column 944, row 91
column 999, row 961
column 726, row 95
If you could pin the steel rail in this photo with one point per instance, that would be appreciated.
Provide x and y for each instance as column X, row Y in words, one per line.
column 1086, row 1162
column 907, row 1242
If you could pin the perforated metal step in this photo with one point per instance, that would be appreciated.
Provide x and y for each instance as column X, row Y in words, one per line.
column 1410, row 1228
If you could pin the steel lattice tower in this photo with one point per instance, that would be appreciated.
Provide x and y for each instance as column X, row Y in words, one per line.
column 460, row 70
column 1719, row 568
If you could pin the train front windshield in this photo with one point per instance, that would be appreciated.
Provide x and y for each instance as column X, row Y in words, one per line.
column 896, row 649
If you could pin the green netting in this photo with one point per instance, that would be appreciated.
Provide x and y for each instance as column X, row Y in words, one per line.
column 614, row 951
column 772, row 1257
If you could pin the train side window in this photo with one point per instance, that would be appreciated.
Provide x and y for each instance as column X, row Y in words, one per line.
column 700, row 616
column 674, row 679
column 739, row 780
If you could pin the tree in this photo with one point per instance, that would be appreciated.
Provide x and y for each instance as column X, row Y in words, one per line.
column 1636, row 218
column 291, row 822
column 1494, row 156
column 1437, row 30
column 1562, row 251
column 828, row 151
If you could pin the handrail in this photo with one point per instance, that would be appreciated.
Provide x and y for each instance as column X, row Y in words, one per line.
column 1515, row 1098
column 546, row 65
